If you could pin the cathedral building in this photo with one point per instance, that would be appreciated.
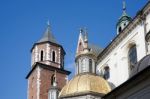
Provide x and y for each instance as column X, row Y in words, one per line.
column 119, row 71
column 127, row 48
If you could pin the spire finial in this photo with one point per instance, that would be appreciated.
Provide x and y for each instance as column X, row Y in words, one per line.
column 85, row 29
column 81, row 30
column 85, row 34
column 48, row 26
column 124, row 7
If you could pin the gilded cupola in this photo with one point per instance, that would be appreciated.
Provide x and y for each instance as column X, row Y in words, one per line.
column 86, row 81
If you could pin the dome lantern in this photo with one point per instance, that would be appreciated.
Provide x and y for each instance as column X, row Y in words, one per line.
column 86, row 82
column 123, row 20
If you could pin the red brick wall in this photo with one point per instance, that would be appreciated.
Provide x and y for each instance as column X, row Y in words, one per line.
column 46, row 82
column 32, row 91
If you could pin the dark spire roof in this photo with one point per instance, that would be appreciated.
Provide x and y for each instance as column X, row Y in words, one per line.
column 141, row 65
column 124, row 15
column 95, row 49
column 124, row 8
column 48, row 36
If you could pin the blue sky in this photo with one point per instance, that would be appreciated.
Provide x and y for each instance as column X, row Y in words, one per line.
column 22, row 23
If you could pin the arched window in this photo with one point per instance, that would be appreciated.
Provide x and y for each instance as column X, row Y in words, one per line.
column 41, row 56
column 106, row 72
column 53, row 56
column 52, row 95
column 124, row 24
column 120, row 29
column 132, row 57
column 52, row 79
column 90, row 65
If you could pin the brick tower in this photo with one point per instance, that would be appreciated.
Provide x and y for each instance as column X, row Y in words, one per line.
column 47, row 60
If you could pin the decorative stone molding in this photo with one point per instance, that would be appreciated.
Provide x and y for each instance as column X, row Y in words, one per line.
column 47, row 52
column 59, row 59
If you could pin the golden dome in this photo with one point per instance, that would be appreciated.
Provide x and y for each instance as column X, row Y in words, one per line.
column 85, row 83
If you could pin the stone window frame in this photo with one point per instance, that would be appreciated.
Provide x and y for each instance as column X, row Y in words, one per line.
column 132, row 56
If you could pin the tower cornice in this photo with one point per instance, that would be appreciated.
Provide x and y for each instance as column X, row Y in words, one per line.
column 48, row 67
column 58, row 45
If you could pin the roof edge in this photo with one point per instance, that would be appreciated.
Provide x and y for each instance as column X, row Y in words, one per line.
column 48, row 67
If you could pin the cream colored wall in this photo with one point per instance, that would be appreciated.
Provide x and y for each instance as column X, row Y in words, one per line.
column 117, row 60
column 148, row 23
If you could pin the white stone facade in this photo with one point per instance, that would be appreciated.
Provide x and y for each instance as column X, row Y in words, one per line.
column 116, row 56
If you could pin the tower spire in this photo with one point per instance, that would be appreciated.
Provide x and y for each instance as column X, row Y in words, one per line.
column 86, row 40
column 124, row 7
column 48, row 36
column 123, row 20
column 81, row 30
column 85, row 35
column 48, row 26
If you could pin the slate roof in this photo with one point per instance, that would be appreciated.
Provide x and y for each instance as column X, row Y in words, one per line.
column 48, row 36
column 95, row 49
column 129, row 84
column 142, row 64
column 48, row 67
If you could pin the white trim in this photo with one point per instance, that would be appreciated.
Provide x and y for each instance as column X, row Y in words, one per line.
column 55, row 56
column 47, row 52
column 36, row 54
column 32, row 57
column 28, row 90
column 38, row 82
column 51, row 55
column 59, row 59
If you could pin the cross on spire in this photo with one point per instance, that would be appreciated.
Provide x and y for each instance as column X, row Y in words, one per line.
column 85, row 34
column 48, row 26
column 48, row 36
column 81, row 30
column 124, row 7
